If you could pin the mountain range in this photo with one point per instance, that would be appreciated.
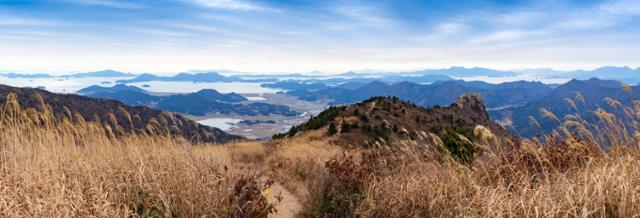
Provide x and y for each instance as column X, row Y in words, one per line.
column 351, row 83
column 197, row 104
column 183, row 77
column 465, row 72
column 576, row 97
column 514, row 104
column 103, row 73
column 626, row 74
column 120, row 118
column 438, row 93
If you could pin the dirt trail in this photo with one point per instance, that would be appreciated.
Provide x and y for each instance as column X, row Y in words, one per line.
column 289, row 205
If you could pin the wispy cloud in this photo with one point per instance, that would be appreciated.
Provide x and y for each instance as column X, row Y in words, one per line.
column 108, row 3
column 443, row 32
column 622, row 7
column 450, row 28
column 504, row 36
column 556, row 21
column 364, row 15
column 232, row 5
column 13, row 20
column 522, row 17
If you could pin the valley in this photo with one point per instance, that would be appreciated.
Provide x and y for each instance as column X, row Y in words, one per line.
column 262, row 127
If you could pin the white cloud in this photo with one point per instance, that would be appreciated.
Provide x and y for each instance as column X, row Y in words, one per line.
column 521, row 17
column 604, row 15
column 621, row 7
column 443, row 33
column 12, row 20
column 450, row 28
column 163, row 32
column 555, row 21
column 232, row 5
column 365, row 15
column 504, row 35
column 108, row 3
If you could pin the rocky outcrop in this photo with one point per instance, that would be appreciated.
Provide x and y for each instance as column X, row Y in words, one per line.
column 471, row 103
column 472, row 108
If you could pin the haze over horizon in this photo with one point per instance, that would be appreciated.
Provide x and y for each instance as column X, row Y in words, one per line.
column 170, row 36
column 532, row 71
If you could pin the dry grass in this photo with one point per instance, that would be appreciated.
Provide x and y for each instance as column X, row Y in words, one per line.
column 583, row 170
column 563, row 180
column 52, row 167
column 601, row 189
column 298, row 163
column 79, row 169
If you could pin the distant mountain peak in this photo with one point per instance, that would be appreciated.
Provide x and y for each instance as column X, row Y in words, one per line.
column 102, row 73
column 184, row 77
column 108, row 71
column 592, row 82
column 376, row 83
column 349, row 73
column 115, row 88
column 212, row 91
column 613, row 68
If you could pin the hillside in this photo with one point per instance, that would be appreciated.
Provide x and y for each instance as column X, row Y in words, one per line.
column 388, row 120
column 118, row 117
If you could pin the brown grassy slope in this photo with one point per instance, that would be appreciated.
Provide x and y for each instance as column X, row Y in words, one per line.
column 565, row 175
column 563, row 179
column 64, row 169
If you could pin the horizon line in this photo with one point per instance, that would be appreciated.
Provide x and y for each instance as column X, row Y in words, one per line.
column 315, row 72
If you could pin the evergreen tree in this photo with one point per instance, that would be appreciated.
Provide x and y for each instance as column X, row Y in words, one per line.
column 332, row 129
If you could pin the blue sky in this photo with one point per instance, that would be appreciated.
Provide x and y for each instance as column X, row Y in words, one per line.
column 168, row 36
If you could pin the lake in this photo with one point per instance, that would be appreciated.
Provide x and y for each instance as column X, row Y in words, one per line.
column 220, row 123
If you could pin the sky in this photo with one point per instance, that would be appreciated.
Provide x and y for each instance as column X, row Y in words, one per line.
column 268, row 36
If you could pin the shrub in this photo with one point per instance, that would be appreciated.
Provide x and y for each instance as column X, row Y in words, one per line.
column 341, row 192
column 322, row 118
column 332, row 129
column 460, row 147
column 363, row 118
column 345, row 127
column 247, row 199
